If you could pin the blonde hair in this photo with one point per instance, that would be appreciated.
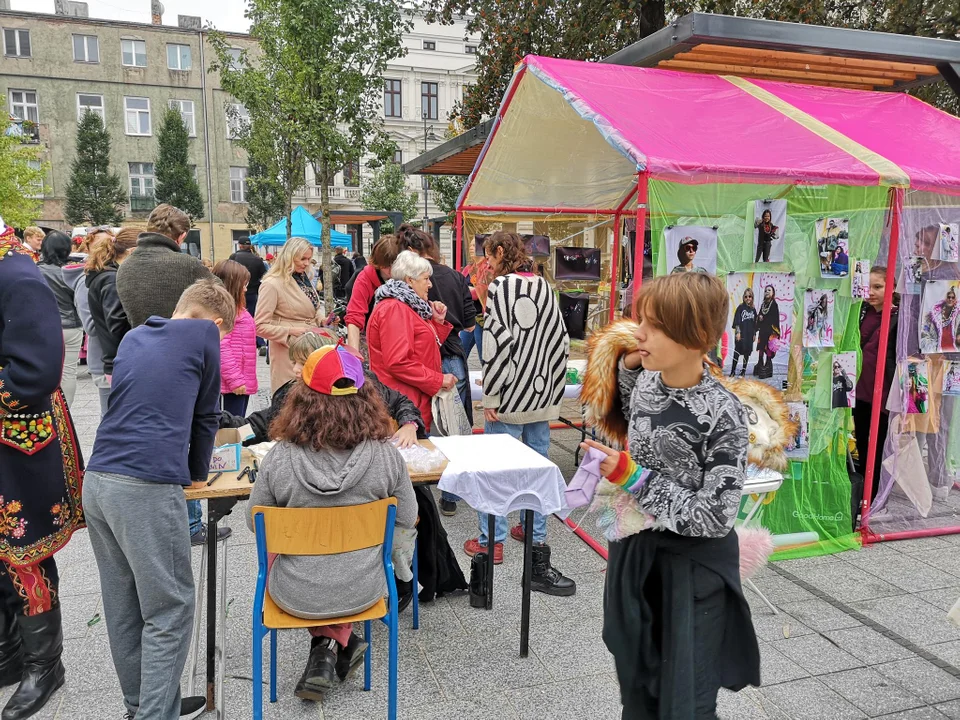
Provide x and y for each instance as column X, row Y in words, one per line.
column 208, row 299
column 110, row 250
column 689, row 308
column 302, row 347
column 33, row 231
column 282, row 265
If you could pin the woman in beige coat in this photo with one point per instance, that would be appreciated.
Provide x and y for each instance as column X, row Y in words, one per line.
column 288, row 306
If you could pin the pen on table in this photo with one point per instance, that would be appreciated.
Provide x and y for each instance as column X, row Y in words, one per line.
column 216, row 477
column 243, row 473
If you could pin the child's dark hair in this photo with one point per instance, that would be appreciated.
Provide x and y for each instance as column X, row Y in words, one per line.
column 411, row 238
column 689, row 308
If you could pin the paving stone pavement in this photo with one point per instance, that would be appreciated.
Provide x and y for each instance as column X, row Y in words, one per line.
column 859, row 635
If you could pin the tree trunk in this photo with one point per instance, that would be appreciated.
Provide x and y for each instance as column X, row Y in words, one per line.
column 326, row 256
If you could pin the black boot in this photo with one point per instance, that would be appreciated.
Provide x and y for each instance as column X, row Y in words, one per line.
column 733, row 365
column 548, row 579
column 478, row 580
column 318, row 676
column 350, row 657
column 11, row 652
column 43, row 673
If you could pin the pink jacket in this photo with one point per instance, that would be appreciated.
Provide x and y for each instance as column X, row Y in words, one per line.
column 238, row 356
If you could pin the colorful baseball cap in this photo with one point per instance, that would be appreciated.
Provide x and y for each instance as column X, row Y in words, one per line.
column 328, row 365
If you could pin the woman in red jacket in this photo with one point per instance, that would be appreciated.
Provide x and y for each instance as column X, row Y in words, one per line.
column 363, row 285
column 405, row 333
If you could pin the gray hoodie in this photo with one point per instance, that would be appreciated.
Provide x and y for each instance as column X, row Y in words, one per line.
column 325, row 586
column 63, row 281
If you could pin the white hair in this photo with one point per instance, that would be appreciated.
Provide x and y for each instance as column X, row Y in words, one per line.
column 410, row 266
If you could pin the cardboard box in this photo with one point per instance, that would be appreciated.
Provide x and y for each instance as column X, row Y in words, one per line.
column 226, row 451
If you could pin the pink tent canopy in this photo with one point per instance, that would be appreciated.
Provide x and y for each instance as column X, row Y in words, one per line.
column 697, row 128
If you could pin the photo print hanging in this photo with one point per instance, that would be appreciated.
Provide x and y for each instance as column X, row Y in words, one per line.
column 948, row 243
column 940, row 317
column 843, row 380
column 691, row 248
column 799, row 446
column 818, row 308
column 860, row 280
column 769, row 225
column 577, row 263
column 761, row 325
column 833, row 247
column 913, row 275
column 534, row 245
column 915, row 386
column 951, row 379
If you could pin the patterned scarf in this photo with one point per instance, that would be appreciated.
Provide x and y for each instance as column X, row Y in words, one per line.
column 308, row 289
column 399, row 290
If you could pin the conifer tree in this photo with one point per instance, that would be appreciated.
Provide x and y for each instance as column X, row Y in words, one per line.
column 175, row 182
column 95, row 196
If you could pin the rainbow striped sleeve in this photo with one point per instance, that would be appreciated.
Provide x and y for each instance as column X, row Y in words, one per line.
column 628, row 475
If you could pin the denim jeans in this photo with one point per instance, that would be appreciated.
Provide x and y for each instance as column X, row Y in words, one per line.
column 458, row 368
column 195, row 514
column 469, row 339
column 536, row 436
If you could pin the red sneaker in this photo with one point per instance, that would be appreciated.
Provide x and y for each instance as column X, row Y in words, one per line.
column 472, row 547
column 516, row 532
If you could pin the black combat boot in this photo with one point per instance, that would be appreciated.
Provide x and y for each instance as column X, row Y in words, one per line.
column 43, row 673
column 546, row 578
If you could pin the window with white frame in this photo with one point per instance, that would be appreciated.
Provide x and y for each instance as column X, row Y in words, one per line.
column 238, row 119
column 429, row 100
column 470, row 49
column 23, row 105
column 392, row 98
column 186, row 109
column 134, row 53
column 86, row 48
column 141, row 179
column 234, row 54
column 398, row 157
column 137, row 112
column 93, row 103
column 178, row 57
column 16, row 43
column 36, row 189
column 238, row 184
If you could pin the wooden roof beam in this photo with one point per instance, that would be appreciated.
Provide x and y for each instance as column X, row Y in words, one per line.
column 809, row 57
column 820, row 64
column 774, row 74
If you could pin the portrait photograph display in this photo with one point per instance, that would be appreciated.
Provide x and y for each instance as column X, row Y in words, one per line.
column 761, row 325
column 799, row 446
column 951, row 379
column 860, row 279
column 939, row 317
column 833, row 247
column 949, row 242
column 818, row 306
column 844, row 380
column 915, row 386
column 769, row 224
column 577, row 263
column 913, row 275
column 691, row 248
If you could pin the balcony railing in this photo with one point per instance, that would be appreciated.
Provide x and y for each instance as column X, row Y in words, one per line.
column 338, row 193
column 142, row 203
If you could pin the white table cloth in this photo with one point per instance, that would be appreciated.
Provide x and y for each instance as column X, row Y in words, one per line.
column 498, row 474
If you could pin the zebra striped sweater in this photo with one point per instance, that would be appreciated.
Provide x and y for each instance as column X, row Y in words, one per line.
column 525, row 350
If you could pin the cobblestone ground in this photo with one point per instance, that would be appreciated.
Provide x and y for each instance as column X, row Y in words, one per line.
column 861, row 634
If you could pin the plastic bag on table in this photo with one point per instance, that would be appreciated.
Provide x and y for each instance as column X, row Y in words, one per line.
column 422, row 460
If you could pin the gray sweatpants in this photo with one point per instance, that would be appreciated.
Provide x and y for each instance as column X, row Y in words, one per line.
column 141, row 541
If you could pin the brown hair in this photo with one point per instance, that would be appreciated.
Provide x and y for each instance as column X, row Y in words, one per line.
column 882, row 271
column 324, row 422
column 208, row 299
column 422, row 243
column 689, row 308
column 385, row 252
column 514, row 254
column 33, row 231
column 235, row 278
column 107, row 250
column 168, row 220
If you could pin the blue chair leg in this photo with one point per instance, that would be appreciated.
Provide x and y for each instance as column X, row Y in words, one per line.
column 257, row 671
column 367, row 637
column 273, row 666
column 416, row 588
column 394, row 662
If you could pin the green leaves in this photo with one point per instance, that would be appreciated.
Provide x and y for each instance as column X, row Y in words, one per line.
column 175, row 181
column 95, row 195
column 386, row 189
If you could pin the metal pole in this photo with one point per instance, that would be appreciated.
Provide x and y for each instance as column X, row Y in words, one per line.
column 206, row 143
column 614, row 261
column 642, row 195
column 425, row 213
column 527, row 578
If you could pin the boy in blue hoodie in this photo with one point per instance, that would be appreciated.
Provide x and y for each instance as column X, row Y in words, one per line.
column 156, row 438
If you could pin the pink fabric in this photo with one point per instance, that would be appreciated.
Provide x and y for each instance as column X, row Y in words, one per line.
column 358, row 308
column 238, row 356
column 923, row 141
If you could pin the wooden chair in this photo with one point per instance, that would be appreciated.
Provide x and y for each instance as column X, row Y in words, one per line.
column 324, row 531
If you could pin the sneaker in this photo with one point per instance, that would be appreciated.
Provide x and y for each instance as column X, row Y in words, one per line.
column 472, row 547
column 516, row 532
column 192, row 707
column 448, row 507
column 200, row 537
column 262, row 351
column 350, row 657
column 318, row 676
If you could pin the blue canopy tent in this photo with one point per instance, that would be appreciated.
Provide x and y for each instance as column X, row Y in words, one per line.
column 304, row 225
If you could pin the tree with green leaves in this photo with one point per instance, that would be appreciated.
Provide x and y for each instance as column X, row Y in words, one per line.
column 176, row 184
column 387, row 190
column 275, row 169
column 95, row 195
column 317, row 82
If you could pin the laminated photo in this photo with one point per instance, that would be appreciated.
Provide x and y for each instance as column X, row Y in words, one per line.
column 691, row 248
column 799, row 445
column 949, row 242
column 760, row 327
column 951, row 379
column 913, row 275
column 844, row 380
column 818, row 318
column 769, row 225
column 833, row 247
column 939, row 317
column 915, row 386
column 860, row 280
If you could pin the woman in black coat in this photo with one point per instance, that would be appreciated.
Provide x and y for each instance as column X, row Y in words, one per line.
column 768, row 325
column 109, row 318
